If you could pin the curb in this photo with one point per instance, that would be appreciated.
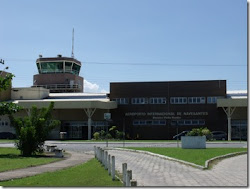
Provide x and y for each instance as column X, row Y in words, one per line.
column 210, row 161
column 207, row 163
column 160, row 156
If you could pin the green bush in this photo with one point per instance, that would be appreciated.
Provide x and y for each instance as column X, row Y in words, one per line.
column 102, row 134
column 28, row 142
column 96, row 135
column 205, row 131
column 112, row 131
column 108, row 136
column 119, row 134
column 199, row 132
column 32, row 131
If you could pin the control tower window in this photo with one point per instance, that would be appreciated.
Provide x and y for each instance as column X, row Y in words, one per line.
column 52, row 67
column 68, row 67
column 38, row 67
column 76, row 69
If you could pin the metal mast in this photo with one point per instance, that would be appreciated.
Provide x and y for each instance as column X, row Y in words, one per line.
column 72, row 54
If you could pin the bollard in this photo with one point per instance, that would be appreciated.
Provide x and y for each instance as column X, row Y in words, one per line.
column 124, row 173
column 106, row 160
column 113, row 168
column 109, row 165
column 102, row 156
column 129, row 177
column 133, row 183
column 95, row 151
column 98, row 153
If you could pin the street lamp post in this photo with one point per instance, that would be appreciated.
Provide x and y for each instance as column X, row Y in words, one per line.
column 123, row 132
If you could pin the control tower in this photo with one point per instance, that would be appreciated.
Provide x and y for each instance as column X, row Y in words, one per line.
column 58, row 74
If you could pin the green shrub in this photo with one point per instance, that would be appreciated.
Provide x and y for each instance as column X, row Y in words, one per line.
column 102, row 134
column 119, row 134
column 112, row 131
column 199, row 132
column 96, row 135
column 206, row 131
column 28, row 142
column 108, row 136
column 33, row 130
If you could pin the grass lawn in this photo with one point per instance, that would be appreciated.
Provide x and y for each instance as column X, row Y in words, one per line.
column 119, row 141
column 10, row 159
column 7, row 140
column 197, row 156
column 128, row 141
column 91, row 173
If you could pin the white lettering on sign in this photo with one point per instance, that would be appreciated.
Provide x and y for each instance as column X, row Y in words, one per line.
column 195, row 113
column 135, row 114
column 166, row 114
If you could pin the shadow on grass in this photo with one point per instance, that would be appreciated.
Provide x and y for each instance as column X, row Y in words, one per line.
column 16, row 156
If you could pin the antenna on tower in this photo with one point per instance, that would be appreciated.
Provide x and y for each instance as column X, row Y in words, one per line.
column 72, row 53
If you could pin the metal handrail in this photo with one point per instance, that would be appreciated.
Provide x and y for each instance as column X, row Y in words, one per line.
column 59, row 86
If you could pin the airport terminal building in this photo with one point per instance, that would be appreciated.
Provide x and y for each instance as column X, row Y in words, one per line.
column 143, row 110
column 155, row 110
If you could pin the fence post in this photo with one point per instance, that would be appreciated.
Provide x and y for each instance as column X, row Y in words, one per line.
column 133, row 183
column 124, row 173
column 95, row 151
column 109, row 165
column 129, row 177
column 99, row 154
column 113, row 168
column 102, row 157
column 106, row 160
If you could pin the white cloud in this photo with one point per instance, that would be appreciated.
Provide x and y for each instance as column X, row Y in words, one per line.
column 90, row 87
column 93, row 88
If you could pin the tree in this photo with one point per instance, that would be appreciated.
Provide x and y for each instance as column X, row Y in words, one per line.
column 7, row 107
column 32, row 131
column 5, row 82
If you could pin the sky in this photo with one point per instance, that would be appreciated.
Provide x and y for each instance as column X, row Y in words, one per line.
column 128, row 40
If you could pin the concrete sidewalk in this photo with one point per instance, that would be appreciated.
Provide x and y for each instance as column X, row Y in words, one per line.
column 72, row 160
column 154, row 171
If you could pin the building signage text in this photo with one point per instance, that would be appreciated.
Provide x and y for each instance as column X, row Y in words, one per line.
column 166, row 115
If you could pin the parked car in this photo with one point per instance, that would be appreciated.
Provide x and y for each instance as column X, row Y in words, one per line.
column 178, row 136
column 7, row 135
column 219, row 135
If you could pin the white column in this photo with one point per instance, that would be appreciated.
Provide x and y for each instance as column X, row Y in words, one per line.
column 89, row 128
column 229, row 128
column 229, row 112
column 89, row 112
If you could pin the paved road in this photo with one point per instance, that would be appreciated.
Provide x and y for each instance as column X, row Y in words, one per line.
column 89, row 146
column 154, row 171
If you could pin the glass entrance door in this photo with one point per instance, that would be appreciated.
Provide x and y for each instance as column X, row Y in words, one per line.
column 239, row 129
column 75, row 132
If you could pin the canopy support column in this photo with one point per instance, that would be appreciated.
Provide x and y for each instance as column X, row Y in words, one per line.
column 229, row 111
column 89, row 112
column 28, row 111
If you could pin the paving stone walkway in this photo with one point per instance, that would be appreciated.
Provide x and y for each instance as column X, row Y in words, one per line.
column 149, row 170
column 74, row 159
